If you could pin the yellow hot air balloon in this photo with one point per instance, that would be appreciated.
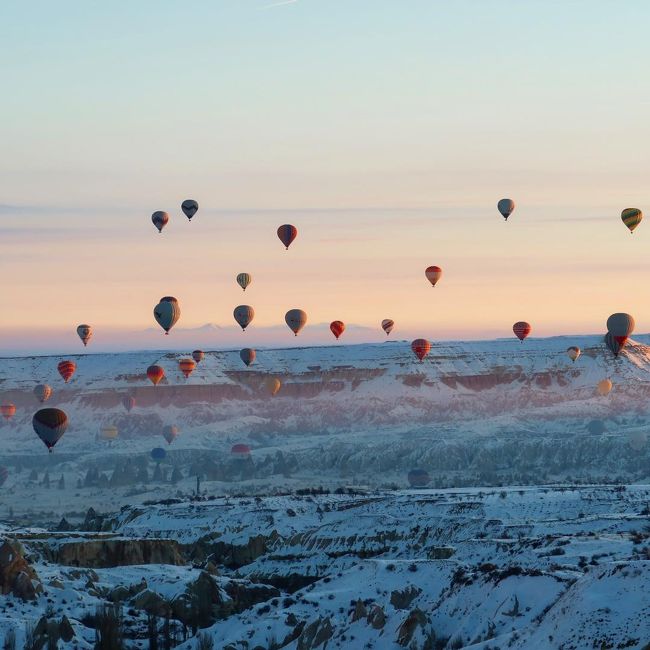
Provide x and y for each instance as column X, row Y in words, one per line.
column 573, row 352
column 604, row 387
column 244, row 279
column 631, row 217
column 109, row 432
column 273, row 385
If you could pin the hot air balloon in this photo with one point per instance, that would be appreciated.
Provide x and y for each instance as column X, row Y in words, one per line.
column 573, row 352
column 4, row 475
column 128, row 402
column 631, row 217
column 158, row 454
column 49, row 425
column 418, row 478
column 169, row 433
column 506, row 207
column 387, row 325
column 421, row 348
column 160, row 219
column 433, row 274
column 296, row 319
column 8, row 410
column 637, row 440
column 109, row 432
column 66, row 369
column 43, row 392
column 85, row 333
column 155, row 374
column 187, row 366
column 247, row 355
column 244, row 314
column 244, row 279
column 167, row 312
column 337, row 328
column 604, row 387
column 198, row 355
column 596, row 427
column 189, row 208
column 521, row 329
column 287, row 234
column 273, row 385
column 240, row 451
column 619, row 326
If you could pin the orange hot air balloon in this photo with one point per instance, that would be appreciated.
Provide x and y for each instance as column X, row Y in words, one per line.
column 522, row 329
column 387, row 325
column 155, row 374
column 421, row 348
column 169, row 433
column 8, row 410
column 273, row 385
column 433, row 274
column 604, row 387
column 337, row 327
column 287, row 233
column 66, row 370
column 187, row 366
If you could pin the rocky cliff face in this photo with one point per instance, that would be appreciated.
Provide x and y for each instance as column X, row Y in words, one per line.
column 17, row 576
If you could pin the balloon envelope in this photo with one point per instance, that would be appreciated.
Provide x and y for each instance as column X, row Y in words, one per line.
column 169, row 433
column 604, row 387
column 296, row 320
column 189, row 208
column 158, row 454
column 85, row 333
column 187, row 366
column 43, row 392
column 387, row 325
column 244, row 314
column 418, row 478
column 155, row 374
column 66, row 369
column 620, row 326
column 128, row 402
column 8, row 410
column 433, row 274
column 521, row 329
column 244, row 279
column 240, row 451
column 247, row 355
column 506, row 207
column 109, row 432
column 631, row 217
column 273, row 385
column 421, row 348
column 160, row 219
column 50, row 424
column 573, row 352
column 287, row 233
column 337, row 327
column 167, row 312
column 198, row 355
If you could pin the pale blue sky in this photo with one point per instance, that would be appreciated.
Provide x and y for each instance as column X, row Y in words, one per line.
column 386, row 130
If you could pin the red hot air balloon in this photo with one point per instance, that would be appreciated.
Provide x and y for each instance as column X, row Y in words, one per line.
column 240, row 451
column 433, row 273
column 337, row 327
column 187, row 366
column 521, row 329
column 128, row 402
column 155, row 374
column 8, row 410
column 287, row 233
column 66, row 370
column 421, row 348
column 49, row 425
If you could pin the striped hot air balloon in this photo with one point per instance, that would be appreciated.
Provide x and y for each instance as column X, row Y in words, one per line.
column 287, row 233
column 240, row 451
column 296, row 319
column 8, row 410
column 421, row 348
column 387, row 325
column 155, row 374
column 189, row 207
column 433, row 274
column 631, row 217
column 247, row 355
column 337, row 327
column 50, row 425
column 109, row 432
column 66, row 370
column 244, row 279
column 160, row 220
column 85, row 333
column 521, row 329
column 187, row 366
column 167, row 312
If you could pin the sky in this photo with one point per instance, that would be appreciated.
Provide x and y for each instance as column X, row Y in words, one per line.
column 386, row 131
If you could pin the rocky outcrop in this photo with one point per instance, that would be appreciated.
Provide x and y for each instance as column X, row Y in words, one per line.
column 402, row 599
column 17, row 577
column 407, row 629
column 105, row 553
column 315, row 634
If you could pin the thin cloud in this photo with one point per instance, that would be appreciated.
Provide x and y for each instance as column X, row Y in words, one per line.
column 280, row 4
